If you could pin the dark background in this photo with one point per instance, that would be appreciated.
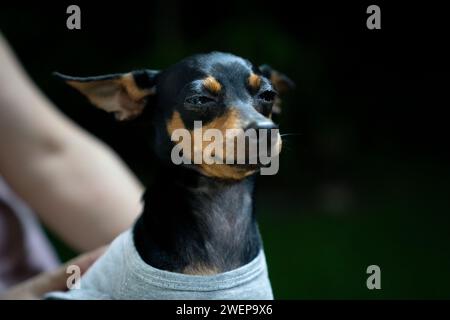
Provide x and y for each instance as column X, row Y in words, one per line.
column 365, row 177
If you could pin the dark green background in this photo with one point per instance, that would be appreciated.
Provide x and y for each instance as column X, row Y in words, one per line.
column 365, row 178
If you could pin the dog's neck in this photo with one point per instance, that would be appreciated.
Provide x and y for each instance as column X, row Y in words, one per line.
column 197, row 225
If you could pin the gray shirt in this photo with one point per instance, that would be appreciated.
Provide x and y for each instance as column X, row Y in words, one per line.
column 121, row 274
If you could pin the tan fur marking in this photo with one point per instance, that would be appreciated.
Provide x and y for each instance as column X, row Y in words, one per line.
column 276, row 109
column 136, row 93
column 212, row 84
column 175, row 123
column 200, row 270
column 224, row 171
column 254, row 81
column 229, row 120
column 121, row 96
column 278, row 82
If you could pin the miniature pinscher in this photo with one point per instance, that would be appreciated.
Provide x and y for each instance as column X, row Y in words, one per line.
column 197, row 218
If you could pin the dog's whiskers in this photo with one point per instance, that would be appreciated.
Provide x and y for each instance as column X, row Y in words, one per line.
column 290, row 134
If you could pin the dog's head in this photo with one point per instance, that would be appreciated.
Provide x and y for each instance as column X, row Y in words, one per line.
column 221, row 90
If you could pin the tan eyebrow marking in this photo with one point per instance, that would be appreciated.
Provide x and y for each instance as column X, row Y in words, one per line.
column 254, row 81
column 212, row 84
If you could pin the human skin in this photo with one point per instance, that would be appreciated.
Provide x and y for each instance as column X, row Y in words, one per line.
column 77, row 186
column 56, row 280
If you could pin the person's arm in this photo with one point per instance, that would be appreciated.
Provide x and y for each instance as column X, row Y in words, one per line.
column 78, row 186
column 36, row 287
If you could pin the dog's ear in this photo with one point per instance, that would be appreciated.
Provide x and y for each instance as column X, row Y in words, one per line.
column 280, row 81
column 123, row 94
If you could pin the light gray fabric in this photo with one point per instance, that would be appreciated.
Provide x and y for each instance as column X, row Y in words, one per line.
column 121, row 274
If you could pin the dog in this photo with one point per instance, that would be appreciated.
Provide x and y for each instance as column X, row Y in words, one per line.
column 198, row 220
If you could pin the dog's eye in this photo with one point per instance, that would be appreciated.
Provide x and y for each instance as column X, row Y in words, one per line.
column 268, row 96
column 199, row 100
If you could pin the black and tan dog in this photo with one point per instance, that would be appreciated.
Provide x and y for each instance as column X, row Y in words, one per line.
column 198, row 219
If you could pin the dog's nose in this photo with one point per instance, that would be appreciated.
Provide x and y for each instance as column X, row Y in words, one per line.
column 263, row 132
column 257, row 125
column 263, row 137
column 263, row 125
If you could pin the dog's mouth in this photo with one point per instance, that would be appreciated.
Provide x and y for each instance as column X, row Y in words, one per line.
column 249, row 166
column 251, row 162
column 246, row 160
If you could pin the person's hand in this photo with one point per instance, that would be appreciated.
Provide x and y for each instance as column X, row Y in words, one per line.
column 36, row 287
